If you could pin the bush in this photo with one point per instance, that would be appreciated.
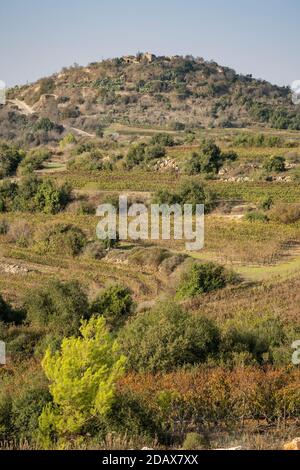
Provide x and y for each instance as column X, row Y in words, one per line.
column 88, row 161
column 8, row 192
column 190, row 192
column 68, row 139
column 154, row 151
column 25, row 411
column 256, row 216
column 167, row 337
column 10, row 158
column 163, row 140
column 135, row 155
column 94, row 250
column 131, row 416
column 275, row 164
column 21, row 343
column 115, row 304
column 195, row 441
column 34, row 195
column 44, row 124
column 285, row 213
column 59, row 306
column 257, row 140
column 251, row 338
column 64, row 239
column 208, row 160
column 203, row 278
column 47, row 86
column 33, row 161
column 152, row 256
column 110, row 242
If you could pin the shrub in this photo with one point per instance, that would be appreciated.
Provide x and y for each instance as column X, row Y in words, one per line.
column 167, row 337
column 195, row 441
column 58, row 305
column 8, row 192
column 115, row 304
column 35, row 195
column 88, row 161
column 275, row 163
column 163, row 140
column 208, row 160
column 154, row 151
column 10, row 158
column 202, row 278
column 47, row 86
column 152, row 256
column 68, row 139
column 44, row 124
column 266, row 203
column 25, row 411
column 257, row 140
column 285, row 213
column 51, row 199
column 256, row 216
column 33, row 161
column 94, row 250
column 20, row 341
column 190, row 192
column 65, row 239
column 251, row 338
column 110, row 242
column 170, row 263
column 135, row 155
column 130, row 415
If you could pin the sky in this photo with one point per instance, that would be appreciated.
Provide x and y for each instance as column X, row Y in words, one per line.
column 39, row 37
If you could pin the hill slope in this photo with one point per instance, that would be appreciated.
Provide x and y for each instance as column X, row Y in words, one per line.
column 168, row 92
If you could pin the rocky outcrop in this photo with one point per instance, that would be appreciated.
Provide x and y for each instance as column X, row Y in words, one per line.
column 13, row 269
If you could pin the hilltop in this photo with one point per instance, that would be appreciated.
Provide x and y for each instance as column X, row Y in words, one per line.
column 173, row 93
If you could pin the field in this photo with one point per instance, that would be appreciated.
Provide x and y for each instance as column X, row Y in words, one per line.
column 245, row 392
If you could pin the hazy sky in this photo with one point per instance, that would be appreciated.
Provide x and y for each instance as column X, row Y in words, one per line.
column 39, row 37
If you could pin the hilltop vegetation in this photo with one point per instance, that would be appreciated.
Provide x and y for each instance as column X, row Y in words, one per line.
column 170, row 92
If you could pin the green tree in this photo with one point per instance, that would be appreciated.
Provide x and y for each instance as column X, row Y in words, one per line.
column 275, row 163
column 10, row 157
column 115, row 304
column 202, row 278
column 136, row 155
column 57, row 305
column 168, row 337
column 209, row 159
column 164, row 140
column 82, row 379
